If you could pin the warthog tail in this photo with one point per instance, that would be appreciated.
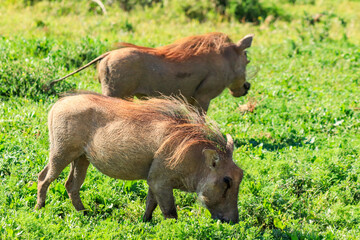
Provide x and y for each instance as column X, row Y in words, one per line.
column 51, row 83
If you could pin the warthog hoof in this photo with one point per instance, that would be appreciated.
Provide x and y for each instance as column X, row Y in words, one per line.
column 39, row 206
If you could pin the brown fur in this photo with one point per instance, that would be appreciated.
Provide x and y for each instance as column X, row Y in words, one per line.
column 186, row 125
column 197, row 67
column 164, row 141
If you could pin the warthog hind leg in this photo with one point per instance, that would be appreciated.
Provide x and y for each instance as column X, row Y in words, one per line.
column 41, row 188
column 151, row 204
column 75, row 180
column 56, row 165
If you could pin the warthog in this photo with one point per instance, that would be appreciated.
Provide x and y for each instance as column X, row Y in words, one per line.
column 198, row 67
column 164, row 141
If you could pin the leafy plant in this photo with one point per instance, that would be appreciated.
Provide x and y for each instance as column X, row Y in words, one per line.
column 253, row 10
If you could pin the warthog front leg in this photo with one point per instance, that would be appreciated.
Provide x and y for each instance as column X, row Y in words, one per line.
column 208, row 89
column 151, row 204
column 75, row 180
column 165, row 198
column 161, row 189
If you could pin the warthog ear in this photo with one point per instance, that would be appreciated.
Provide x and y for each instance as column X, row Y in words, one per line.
column 229, row 143
column 245, row 42
column 211, row 157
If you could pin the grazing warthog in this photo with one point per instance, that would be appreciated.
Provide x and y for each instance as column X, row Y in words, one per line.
column 198, row 67
column 164, row 141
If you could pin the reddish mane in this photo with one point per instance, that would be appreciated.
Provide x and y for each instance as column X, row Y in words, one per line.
column 185, row 48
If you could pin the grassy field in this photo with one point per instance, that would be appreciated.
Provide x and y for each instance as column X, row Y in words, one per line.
column 299, row 148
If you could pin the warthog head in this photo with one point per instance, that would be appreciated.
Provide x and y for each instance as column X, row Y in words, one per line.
column 219, row 189
column 239, row 86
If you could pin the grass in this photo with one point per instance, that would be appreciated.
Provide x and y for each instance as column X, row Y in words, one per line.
column 299, row 147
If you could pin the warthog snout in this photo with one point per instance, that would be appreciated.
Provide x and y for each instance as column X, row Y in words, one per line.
column 241, row 91
column 229, row 218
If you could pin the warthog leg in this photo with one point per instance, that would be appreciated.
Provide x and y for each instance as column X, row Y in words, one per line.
column 41, row 195
column 202, row 105
column 75, row 180
column 206, row 91
column 165, row 198
column 56, row 165
column 161, row 189
column 151, row 204
column 166, row 201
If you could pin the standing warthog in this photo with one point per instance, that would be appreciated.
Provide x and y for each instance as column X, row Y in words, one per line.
column 164, row 141
column 198, row 67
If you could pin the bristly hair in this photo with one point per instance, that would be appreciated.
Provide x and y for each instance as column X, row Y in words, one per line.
column 185, row 48
column 186, row 126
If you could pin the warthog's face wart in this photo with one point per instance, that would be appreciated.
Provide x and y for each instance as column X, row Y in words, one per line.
column 219, row 191
column 239, row 86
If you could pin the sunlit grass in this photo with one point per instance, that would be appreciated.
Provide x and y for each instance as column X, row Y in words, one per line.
column 299, row 148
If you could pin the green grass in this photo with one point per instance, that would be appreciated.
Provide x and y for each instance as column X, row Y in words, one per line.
column 299, row 149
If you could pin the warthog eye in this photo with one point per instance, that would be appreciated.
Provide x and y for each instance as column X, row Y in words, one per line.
column 228, row 182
